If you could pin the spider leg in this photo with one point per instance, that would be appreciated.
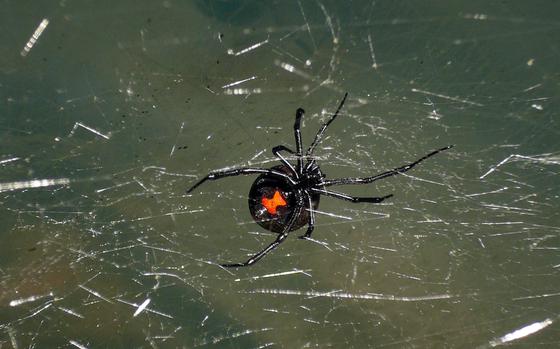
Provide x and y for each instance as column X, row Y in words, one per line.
column 258, row 256
column 319, row 134
column 280, row 148
column 350, row 198
column 281, row 237
column 239, row 171
column 382, row 175
column 297, row 135
column 311, row 224
column 276, row 151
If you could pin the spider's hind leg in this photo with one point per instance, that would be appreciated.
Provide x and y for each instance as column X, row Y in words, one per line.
column 259, row 255
column 281, row 237
column 311, row 223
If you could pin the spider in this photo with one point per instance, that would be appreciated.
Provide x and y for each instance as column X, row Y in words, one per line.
column 285, row 197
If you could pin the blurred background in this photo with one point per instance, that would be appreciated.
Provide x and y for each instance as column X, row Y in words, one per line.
column 110, row 110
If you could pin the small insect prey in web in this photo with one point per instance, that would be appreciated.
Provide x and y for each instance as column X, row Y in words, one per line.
column 284, row 198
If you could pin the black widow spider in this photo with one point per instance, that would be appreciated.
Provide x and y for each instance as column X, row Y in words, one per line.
column 284, row 198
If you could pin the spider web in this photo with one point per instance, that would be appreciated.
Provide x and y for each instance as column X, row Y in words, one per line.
column 110, row 112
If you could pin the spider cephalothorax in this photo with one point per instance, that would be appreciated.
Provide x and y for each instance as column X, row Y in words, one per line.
column 285, row 197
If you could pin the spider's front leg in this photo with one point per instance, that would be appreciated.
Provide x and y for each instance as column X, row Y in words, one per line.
column 297, row 135
column 276, row 152
column 299, row 148
column 323, row 128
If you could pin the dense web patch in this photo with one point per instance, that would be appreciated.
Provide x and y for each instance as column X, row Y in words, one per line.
column 108, row 115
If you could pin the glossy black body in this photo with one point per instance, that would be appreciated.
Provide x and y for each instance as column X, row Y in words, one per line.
column 266, row 185
column 301, row 185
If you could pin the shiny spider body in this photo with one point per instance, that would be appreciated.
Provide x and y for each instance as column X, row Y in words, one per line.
column 285, row 197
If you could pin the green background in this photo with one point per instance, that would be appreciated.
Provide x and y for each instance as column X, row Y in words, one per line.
column 120, row 106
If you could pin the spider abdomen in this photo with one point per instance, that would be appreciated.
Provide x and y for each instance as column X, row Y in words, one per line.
column 272, row 201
